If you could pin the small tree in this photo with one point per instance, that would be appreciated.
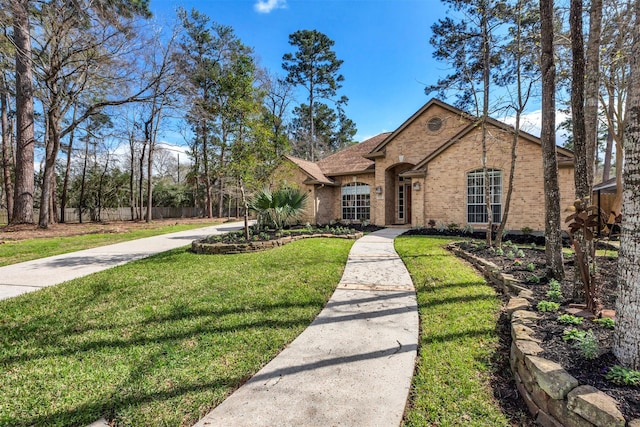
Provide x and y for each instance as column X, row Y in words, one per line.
column 521, row 72
column 581, row 225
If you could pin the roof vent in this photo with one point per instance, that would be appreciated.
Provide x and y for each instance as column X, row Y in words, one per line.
column 434, row 124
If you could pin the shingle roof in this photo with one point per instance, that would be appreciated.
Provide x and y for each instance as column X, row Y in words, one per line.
column 351, row 160
column 312, row 170
column 609, row 185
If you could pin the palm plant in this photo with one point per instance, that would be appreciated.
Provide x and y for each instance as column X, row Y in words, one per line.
column 275, row 209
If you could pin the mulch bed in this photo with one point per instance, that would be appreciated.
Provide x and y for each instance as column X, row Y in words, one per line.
column 590, row 372
column 257, row 235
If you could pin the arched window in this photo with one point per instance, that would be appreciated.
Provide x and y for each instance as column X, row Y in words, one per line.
column 476, row 202
column 356, row 201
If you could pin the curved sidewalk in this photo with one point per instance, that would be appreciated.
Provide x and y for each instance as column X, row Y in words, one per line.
column 30, row 276
column 353, row 365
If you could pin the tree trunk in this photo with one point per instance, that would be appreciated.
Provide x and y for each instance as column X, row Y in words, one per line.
column 220, row 197
column 553, row 237
column 486, row 67
column 149, row 136
column 583, row 165
column 221, row 177
column 24, row 183
column 626, row 343
column 237, row 215
column 54, row 206
column 592, row 87
column 48, row 180
column 84, row 178
column 207, row 177
column 522, row 101
column 150, row 187
column 141, row 181
column 616, row 207
column 100, row 187
column 197, row 201
column 606, row 167
column 312, row 129
column 67, row 171
column 512, row 172
column 65, row 183
column 246, row 209
column 580, row 156
column 132, row 172
column 7, row 163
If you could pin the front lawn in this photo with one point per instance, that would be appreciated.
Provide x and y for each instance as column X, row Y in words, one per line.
column 12, row 252
column 159, row 341
column 458, row 339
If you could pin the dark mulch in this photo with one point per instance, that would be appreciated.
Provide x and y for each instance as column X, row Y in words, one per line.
column 257, row 235
column 590, row 372
column 521, row 239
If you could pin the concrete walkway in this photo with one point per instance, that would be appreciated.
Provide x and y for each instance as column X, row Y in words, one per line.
column 353, row 365
column 30, row 276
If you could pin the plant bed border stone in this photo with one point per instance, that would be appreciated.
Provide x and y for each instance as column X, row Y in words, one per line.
column 202, row 247
column 552, row 395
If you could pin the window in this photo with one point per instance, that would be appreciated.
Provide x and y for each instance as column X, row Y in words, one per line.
column 356, row 201
column 401, row 200
column 476, row 202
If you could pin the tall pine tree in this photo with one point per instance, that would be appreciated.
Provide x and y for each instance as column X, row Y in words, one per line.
column 315, row 67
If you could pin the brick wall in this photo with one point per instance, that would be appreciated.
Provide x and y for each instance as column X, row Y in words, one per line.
column 287, row 174
column 408, row 148
column 445, row 184
column 442, row 194
column 332, row 198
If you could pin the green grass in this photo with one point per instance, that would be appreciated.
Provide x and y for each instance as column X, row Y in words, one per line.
column 159, row 341
column 12, row 252
column 458, row 339
column 599, row 252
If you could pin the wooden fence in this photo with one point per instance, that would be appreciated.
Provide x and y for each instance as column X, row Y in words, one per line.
column 121, row 214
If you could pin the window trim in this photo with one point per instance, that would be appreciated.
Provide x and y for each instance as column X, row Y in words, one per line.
column 355, row 205
column 475, row 196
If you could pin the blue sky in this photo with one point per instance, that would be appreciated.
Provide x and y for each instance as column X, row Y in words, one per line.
column 384, row 45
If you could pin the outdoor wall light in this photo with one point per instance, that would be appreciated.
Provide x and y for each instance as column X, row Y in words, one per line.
column 378, row 190
column 416, row 186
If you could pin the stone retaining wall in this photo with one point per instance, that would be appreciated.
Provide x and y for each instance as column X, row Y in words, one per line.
column 202, row 247
column 553, row 396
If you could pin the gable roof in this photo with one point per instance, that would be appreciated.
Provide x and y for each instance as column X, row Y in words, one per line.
column 565, row 157
column 351, row 160
column 375, row 152
column 312, row 170
column 359, row 158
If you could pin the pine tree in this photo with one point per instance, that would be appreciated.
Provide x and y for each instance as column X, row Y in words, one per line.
column 552, row 233
column 314, row 66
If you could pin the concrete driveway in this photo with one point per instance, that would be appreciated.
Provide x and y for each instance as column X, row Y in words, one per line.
column 30, row 276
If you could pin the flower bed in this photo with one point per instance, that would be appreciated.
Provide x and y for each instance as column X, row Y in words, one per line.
column 552, row 393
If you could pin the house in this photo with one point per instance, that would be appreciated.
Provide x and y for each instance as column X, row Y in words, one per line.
column 429, row 170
